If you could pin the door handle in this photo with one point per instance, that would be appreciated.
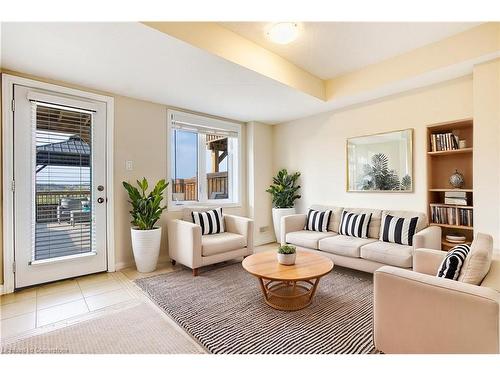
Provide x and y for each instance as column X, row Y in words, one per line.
column 100, row 200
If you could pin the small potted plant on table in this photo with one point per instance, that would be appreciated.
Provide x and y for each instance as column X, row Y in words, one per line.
column 146, row 211
column 286, row 255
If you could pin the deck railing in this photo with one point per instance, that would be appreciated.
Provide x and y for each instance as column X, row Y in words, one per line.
column 186, row 189
column 47, row 202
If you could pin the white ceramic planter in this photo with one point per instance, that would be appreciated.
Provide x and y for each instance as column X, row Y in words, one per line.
column 286, row 259
column 146, row 248
column 278, row 213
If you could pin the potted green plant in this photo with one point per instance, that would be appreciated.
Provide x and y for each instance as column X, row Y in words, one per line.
column 284, row 193
column 286, row 255
column 146, row 211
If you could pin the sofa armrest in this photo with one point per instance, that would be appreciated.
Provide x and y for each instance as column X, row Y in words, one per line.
column 240, row 225
column 429, row 238
column 419, row 313
column 291, row 223
column 184, row 242
column 428, row 260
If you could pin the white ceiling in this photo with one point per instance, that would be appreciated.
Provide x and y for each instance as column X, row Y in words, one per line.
column 134, row 60
column 329, row 49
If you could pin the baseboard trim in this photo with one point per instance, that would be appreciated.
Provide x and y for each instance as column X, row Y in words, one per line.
column 264, row 239
column 131, row 263
column 1, row 290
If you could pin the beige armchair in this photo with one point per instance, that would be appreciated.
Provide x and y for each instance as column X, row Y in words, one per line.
column 417, row 312
column 189, row 247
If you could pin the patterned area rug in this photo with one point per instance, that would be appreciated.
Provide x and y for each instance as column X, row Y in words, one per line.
column 224, row 310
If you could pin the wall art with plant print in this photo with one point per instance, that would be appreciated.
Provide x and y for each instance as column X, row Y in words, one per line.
column 380, row 162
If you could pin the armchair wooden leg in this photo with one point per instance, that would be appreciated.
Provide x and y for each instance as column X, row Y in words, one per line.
column 173, row 262
column 195, row 271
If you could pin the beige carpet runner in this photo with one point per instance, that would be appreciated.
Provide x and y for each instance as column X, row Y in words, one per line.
column 139, row 329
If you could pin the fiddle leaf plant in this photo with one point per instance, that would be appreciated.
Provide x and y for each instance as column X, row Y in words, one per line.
column 284, row 189
column 146, row 207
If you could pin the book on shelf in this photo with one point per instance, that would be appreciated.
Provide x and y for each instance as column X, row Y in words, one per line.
column 458, row 198
column 444, row 141
column 451, row 215
column 455, row 194
column 455, row 201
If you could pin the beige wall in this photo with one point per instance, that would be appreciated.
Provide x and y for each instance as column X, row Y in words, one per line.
column 140, row 136
column 315, row 146
column 486, row 164
column 260, row 174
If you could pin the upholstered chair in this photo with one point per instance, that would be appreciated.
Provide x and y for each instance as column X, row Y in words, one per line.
column 418, row 312
column 189, row 247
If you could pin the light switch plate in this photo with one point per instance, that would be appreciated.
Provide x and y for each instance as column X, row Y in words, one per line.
column 129, row 165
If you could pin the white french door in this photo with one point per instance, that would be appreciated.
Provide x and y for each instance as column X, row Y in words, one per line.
column 60, row 192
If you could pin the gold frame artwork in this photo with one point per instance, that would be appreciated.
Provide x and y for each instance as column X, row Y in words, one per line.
column 409, row 163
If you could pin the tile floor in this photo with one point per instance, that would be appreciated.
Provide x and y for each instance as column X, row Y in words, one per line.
column 53, row 305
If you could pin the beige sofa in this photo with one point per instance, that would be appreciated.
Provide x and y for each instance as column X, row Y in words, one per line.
column 365, row 254
column 189, row 247
column 417, row 312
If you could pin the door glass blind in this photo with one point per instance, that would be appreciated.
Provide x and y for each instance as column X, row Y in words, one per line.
column 62, row 179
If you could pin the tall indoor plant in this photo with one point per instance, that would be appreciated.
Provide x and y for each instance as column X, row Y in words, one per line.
column 284, row 193
column 146, row 211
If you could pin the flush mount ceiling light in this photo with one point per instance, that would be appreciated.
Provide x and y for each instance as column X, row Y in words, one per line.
column 283, row 32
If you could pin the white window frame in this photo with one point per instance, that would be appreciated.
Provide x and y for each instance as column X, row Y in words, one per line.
column 234, row 192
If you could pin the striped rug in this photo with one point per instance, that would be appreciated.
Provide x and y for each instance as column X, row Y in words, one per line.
column 223, row 309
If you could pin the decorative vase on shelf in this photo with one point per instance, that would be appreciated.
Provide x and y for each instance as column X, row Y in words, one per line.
column 457, row 180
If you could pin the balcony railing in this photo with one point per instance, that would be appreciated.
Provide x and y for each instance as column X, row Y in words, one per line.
column 186, row 189
column 48, row 201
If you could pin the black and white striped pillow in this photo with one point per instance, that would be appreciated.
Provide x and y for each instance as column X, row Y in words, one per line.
column 452, row 264
column 318, row 220
column 398, row 229
column 211, row 222
column 355, row 225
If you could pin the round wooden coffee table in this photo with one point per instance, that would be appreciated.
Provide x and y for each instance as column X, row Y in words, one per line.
column 288, row 288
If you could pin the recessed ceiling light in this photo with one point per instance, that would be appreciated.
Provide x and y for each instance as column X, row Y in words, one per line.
column 283, row 33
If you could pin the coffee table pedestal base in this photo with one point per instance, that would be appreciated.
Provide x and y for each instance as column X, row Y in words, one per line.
column 288, row 295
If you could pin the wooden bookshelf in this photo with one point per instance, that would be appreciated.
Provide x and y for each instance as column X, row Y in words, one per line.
column 450, row 152
column 441, row 164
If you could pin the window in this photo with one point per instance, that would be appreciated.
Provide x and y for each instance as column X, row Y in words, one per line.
column 204, row 160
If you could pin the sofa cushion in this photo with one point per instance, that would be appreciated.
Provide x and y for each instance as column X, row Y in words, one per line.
column 388, row 253
column 318, row 221
column 344, row 245
column 478, row 262
column 422, row 222
column 334, row 218
column 187, row 212
column 355, row 225
column 453, row 261
column 398, row 229
column 374, row 227
column 212, row 244
column 307, row 238
column 211, row 222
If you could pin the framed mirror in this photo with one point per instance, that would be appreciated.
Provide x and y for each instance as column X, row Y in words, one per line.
column 381, row 162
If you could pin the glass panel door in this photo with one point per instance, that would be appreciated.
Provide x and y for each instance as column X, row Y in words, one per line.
column 60, row 192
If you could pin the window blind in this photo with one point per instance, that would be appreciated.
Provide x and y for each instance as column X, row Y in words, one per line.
column 202, row 125
column 62, row 179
